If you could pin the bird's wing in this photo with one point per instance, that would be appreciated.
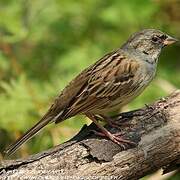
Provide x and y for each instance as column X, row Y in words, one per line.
column 109, row 79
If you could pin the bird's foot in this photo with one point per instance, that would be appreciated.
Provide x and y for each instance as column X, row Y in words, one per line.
column 98, row 133
column 116, row 138
column 116, row 124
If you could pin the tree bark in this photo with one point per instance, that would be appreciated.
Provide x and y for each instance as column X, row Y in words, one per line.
column 155, row 129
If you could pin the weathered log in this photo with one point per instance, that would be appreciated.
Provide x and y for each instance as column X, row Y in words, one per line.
column 155, row 129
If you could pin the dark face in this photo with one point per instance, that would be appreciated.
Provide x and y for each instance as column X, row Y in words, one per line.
column 150, row 42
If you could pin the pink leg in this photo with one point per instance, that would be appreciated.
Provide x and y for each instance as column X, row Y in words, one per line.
column 116, row 138
column 103, row 135
column 114, row 124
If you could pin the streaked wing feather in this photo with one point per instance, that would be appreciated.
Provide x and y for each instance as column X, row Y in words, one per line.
column 104, row 85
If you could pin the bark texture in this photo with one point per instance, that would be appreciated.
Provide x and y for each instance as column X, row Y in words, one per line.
column 155, row 129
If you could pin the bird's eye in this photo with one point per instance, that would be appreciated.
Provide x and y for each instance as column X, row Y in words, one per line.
column 155, row 39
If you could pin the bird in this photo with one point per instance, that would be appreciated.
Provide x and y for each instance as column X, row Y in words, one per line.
column 107, row 85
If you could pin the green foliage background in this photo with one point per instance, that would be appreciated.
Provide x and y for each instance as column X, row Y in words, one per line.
column 45, row 43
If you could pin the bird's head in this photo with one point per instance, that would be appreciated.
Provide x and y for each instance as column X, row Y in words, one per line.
column 149, row 42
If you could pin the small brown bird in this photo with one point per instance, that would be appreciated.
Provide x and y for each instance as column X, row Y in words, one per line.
column 113, row 81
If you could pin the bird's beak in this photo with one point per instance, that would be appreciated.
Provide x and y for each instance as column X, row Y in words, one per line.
column 169, row 40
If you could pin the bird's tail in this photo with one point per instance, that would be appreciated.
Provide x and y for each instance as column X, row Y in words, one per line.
column 29, row 134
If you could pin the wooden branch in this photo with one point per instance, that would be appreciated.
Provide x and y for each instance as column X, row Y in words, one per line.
column 155, row 129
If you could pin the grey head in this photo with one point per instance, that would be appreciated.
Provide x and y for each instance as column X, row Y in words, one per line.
column 149, row 42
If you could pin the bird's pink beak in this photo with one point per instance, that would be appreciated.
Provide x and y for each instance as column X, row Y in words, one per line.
column 169, row 40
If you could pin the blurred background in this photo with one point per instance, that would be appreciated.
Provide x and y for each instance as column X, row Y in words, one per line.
column 45, row 43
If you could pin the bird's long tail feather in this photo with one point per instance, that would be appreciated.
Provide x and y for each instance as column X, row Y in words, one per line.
column 29, row 134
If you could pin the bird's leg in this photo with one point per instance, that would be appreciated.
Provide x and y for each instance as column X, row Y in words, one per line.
column 128, row 115
column 108, row 120
column 104, row 135
column 116, row 138
column 113, row 123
